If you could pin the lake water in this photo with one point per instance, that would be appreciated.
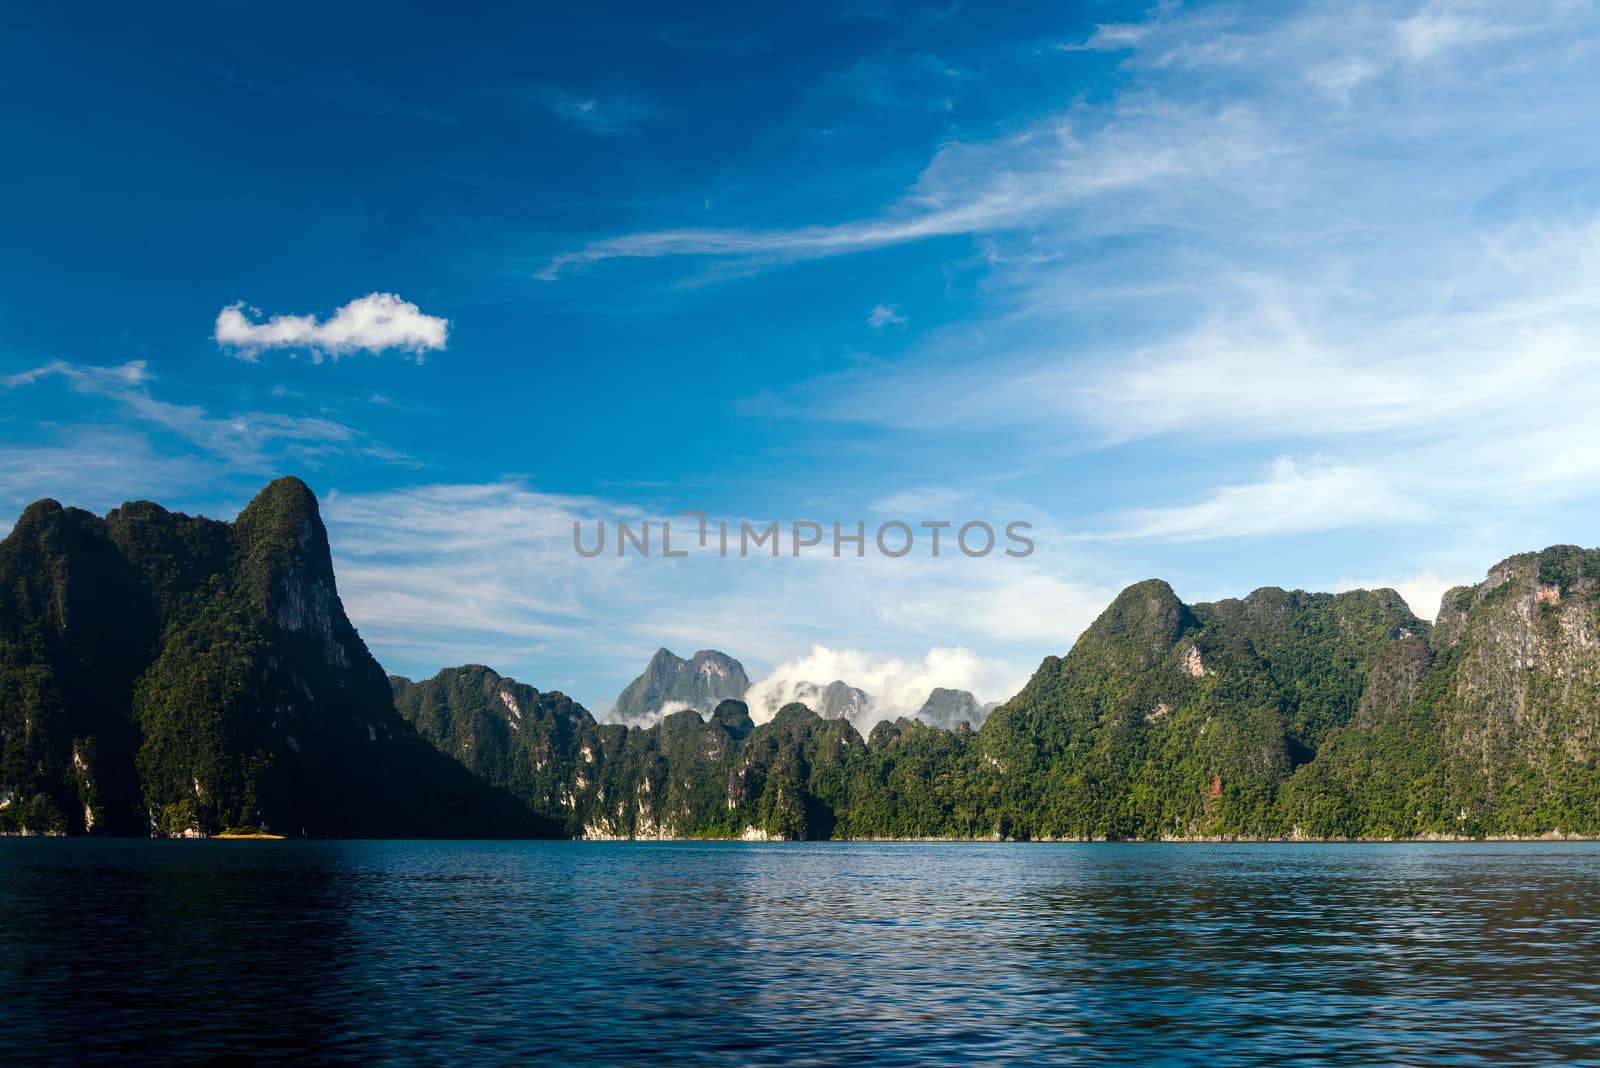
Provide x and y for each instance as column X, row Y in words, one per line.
column 580, row 953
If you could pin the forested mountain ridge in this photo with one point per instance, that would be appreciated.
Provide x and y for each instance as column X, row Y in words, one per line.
column 174, row 675
column 1281, row 714
column 1167, row 719
column 1491, row 727
column 166, row 674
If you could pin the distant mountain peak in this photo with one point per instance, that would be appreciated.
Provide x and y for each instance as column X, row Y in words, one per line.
column 946, row 708
column 670, row 683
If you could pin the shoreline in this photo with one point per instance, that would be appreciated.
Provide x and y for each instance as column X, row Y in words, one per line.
column 1427, row 839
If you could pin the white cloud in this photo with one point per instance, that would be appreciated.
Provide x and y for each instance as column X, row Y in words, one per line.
column 898, row 687
column 1381, row 36
column 1440, row 28
column 1295, row 498
column 1275, row 368
column 647, row 719
column 1340, row 78
column 1122, row 36
column 884, row 315
column 374, row 323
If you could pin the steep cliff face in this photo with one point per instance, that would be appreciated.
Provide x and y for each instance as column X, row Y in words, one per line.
column 668, row 781
column 1490, row 727
column 1521, row 715
column 1397, row 673
column 213, row 680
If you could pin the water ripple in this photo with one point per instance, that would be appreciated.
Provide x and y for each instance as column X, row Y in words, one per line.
column 617, row 953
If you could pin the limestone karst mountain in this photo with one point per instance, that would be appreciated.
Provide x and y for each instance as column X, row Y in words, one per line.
column 946, row 708
column 166, row 674
column 161, row 673
column 670, row 683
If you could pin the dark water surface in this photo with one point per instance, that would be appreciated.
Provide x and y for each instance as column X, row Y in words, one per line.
column 580, row 953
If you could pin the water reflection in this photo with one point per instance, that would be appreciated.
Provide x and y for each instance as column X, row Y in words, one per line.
column 513, row 953
column 121, row 951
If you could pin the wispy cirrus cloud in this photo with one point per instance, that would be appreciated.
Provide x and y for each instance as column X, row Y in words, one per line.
column 1143, row 141
column 1348, row 258
column 254, row 441
column 117, row 440
column 87, row 378
column 96, row 468
column 973, row 189
column 1438, row 28
column 376, row 323
column 1293, row 498
column 1278, row 42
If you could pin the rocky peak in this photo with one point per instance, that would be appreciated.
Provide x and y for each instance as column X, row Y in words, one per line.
column 734, row 716
column 668, row 680
column 282, row 528
column 945, row 708
column 710, row 665
column 840, row 700
column 1140, row 626
column 282, row 548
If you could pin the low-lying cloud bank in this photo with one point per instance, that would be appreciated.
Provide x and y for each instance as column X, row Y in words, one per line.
column 896, row 687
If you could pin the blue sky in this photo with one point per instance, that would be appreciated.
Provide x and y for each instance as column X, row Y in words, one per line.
column 1236, row 295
